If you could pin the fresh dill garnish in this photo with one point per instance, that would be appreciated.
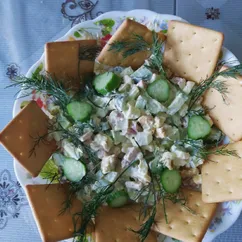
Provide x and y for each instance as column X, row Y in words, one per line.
column 90, row 208
column 200, row 112
column 89, row 53
column 210, row 82
column 128, row 48
column 138, row 44
column 37, row 141
column 203, row 151
column 221, row 87
column 156, row 59
column 44, row 84
column 75, row 187
column 145, row 228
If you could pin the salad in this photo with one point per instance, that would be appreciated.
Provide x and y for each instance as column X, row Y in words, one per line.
column 129, row 136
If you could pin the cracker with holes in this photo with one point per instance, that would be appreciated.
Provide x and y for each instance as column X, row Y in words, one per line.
column 67, row 61
column 126, row 33
column 191, row 51
column 226, row 111
column 19, row 135
column 183, row 224
column 114, row 224
column 46, row 202
column 222, row 176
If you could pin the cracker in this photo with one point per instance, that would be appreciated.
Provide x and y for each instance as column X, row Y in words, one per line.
column 18, row 138
column 226, row 114
column 222, row 176
column 62, row 60
column 46, row 203
column 125, row 33
column 182, row 223
column 114, row 224
column 191, row 51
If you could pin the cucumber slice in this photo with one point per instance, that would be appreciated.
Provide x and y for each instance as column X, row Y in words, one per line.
column 79, row 111
column 106, row 82
column 74, row 170
column 117, row 199
column 198, row 127
column 159, row 90
column 170, row 180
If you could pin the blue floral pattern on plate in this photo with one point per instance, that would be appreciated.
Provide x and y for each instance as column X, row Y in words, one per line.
column 12, row 198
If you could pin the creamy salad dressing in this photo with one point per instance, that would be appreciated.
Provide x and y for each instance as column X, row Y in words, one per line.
column 132, row 125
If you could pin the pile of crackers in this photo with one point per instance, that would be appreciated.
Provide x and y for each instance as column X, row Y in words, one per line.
column 191, row 52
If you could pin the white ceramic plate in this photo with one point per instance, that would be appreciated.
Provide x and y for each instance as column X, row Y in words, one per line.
column 104, row 26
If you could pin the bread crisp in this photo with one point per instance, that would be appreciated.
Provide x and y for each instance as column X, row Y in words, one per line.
column 183, row 224
column 46, row 202
column 114, row 224
column 191, row 51
column 222, row 176
column 63, row 62
column 19, row 136
column 226, row 114
column 126, row 33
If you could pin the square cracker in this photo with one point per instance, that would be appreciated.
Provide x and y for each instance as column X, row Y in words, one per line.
column 46, row 203
column 222, row 176
column 18, row 138
column 62, row 60
column 183, row 224
column 191, row 51
column 125, row 33
column 227, row 114
column 114, row 224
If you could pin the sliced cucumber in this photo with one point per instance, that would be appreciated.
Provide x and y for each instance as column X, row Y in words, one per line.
column 117, row 199
column 74, row 170
column 170, row 180
column 106, row 82
column 79, row 111
column 198, row 127
column 159, row 90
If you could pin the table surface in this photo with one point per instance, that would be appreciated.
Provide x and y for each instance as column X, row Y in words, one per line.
column 27, row 25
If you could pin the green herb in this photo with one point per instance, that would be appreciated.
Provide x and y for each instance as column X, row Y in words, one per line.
column 202, row 151
column 128, row 48
column 89, row 53
column 37, row 141
column 155, row 189
column 90, row 208
column 75, row 187
column 210, row 82
column 44, row 84
column 156, row 60
column 200, row 112
column 145, row 228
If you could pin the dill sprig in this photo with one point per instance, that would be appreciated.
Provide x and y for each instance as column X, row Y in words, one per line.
column 89, row 53
column 90, row 208
column 200, row 112
column 145, row 228
column 44, row 84
column 138, row 44
column 75, row 187
column 128, row 48
column 210, row 82
column 203, row 151
column 39, row 139
column 156, row 60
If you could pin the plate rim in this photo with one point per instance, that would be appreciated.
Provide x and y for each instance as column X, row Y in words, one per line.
column 142, row 12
